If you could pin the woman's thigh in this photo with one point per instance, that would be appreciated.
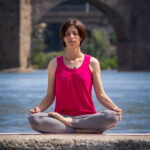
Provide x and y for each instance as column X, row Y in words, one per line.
column 101, row 121
column 41, row 122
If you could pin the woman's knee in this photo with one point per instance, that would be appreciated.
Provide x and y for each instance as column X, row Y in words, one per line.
column 34, row 120
column 111, row 116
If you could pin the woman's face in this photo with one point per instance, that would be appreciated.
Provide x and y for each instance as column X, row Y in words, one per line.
column 72, row 38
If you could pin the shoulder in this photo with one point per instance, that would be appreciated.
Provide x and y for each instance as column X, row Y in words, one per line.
column 94, row 63
column 52, row 64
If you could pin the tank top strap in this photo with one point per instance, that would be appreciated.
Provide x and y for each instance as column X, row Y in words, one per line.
column 59, row 63
column 87, row 61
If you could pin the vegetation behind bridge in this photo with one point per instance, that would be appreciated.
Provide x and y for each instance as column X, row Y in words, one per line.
column 98, row 44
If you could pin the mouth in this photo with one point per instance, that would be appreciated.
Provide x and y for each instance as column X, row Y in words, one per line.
column 71, row 41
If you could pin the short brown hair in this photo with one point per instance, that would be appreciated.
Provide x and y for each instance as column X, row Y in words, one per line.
column 78, row 24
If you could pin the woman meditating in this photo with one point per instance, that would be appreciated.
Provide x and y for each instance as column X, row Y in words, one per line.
column 70, row 80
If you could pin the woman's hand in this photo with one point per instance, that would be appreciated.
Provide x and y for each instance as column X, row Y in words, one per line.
column 119, row 112
column 35, row 110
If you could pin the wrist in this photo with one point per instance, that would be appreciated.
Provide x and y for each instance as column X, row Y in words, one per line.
column 114, row 108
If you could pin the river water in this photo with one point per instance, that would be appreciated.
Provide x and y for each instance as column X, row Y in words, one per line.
column 19, row 92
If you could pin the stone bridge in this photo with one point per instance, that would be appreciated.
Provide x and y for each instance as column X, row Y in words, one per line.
column 129, row 18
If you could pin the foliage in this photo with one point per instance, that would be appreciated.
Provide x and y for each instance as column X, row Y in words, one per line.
column 40, row 60
column 113, row 38
column 39, row 57
column 98, row 44
column 38, row 42
column 110, row 63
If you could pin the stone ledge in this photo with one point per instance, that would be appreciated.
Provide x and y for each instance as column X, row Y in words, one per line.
column 75, row 141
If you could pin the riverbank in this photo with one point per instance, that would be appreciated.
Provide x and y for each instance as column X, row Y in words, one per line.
column 75, row 141
column 18, row 70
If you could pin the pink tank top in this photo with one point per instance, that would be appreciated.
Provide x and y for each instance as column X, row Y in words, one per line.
column 73, row 89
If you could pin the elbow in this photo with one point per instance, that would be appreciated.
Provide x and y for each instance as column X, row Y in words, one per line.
column 50, row 99
column 100, row 95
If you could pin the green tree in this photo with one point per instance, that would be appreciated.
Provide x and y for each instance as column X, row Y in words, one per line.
column 98, row 44
column 38, row 41
column 38, row 57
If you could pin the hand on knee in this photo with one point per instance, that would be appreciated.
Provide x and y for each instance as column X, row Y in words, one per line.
column 111, row 116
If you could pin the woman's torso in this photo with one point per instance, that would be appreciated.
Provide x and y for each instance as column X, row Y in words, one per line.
column 73, row 88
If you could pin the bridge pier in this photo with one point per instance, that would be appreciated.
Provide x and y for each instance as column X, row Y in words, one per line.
column 15, row 34
column 130, row 20
column 125, row 56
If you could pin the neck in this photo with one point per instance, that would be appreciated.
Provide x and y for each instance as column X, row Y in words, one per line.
column 73, row 53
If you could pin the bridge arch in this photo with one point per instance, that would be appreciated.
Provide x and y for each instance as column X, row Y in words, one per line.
column 130, row 21
column 124, row 44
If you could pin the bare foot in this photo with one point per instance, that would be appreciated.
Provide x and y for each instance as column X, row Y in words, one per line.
column 65, row 120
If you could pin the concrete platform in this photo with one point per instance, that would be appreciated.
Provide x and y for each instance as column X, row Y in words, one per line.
column 74, row 141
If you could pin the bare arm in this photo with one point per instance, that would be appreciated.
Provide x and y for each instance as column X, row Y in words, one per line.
column 97, row 83
column 50, row 96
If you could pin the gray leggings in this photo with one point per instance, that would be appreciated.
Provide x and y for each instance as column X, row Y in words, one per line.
column 101, row 121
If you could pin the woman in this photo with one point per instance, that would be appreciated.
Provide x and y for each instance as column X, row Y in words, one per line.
column 70, row 80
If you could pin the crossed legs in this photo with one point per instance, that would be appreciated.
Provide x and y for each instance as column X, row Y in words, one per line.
column 41, row 122
column 56, row 123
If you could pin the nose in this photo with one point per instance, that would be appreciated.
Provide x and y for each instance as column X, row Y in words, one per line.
column 71, row 35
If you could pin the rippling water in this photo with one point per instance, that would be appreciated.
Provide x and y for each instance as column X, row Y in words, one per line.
column 19, row 92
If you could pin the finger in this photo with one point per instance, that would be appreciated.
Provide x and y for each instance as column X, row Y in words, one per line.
column 118, row 110
column 119, row 118
column 32, row 110
column 37, row 109
column 119, row 113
